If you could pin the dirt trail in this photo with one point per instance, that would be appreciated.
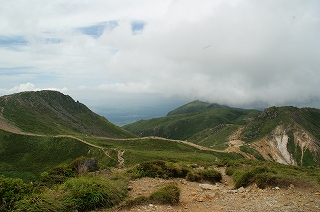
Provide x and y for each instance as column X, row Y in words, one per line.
column 7, row 126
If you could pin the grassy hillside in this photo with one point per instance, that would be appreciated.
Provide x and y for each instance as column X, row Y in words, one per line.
column 51, row 112
column 26, row 156
column 190, row 119
column 147, row 149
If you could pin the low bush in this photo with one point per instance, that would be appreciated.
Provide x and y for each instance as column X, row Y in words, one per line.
column 12, row 190
column 76, row 194
column 56, row 175
column 88, row 193
column 260, row 175
column 48, row 200
column 205, row 175
column 160, row 169
column 168, row 194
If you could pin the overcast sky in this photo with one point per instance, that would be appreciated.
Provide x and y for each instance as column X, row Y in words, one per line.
column 244, row 53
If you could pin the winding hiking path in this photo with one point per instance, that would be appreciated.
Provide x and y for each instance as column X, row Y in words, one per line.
column 7, row 126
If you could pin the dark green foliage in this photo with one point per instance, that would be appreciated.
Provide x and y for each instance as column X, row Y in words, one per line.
column 76, row 194
column 160, row 169
column 168, row 194
column 262, row 176
column 57, row 175
column 92, row 193
column 205, row 175
column 12, row 190
column 51, row 112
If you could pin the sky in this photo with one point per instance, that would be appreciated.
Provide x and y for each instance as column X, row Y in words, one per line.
column 131, row 54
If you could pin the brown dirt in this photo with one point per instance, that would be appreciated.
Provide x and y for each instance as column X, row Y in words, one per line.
column 224, row 198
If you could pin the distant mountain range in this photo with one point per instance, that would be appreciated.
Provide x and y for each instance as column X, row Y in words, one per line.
column 287, row 135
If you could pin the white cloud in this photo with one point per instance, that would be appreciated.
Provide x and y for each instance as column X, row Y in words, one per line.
column 259, row 53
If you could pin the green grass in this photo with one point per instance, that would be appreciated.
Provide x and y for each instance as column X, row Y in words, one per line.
column 190, row 120
column 26, row 156
column 84, row 193
column 214, row 137
column 251, row 151
column 138, row 151
column 53, row 113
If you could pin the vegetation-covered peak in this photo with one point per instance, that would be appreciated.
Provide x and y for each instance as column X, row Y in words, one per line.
column 194, row 106
column 51, row 112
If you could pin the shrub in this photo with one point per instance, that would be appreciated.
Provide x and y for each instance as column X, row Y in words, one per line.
column 136, row 201
column 56, row 175
column 48, row 200
column 168, row 194
column 12, row 190
column 209, row 175
column 260, row 175
column 160, row 169
column 90, row 193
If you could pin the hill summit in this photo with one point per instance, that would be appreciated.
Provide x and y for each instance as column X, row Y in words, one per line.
column 51, row 112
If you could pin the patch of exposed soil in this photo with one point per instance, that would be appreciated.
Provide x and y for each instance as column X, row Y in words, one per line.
column 223, row 197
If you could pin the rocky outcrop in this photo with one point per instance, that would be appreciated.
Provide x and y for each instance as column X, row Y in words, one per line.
column 288, row 145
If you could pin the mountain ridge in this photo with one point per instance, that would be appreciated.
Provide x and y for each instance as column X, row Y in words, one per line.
column 286, row 134
column 51, row 112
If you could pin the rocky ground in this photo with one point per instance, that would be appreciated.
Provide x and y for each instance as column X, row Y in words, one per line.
column 223, row 197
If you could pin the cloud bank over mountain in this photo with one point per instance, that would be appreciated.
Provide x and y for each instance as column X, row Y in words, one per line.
column 116, row 52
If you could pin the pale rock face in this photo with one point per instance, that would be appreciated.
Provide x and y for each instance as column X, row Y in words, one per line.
column 282, row 140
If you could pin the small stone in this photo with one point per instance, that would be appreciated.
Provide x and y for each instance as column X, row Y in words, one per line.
column 130, row 188
column 193, row 193
column 207, row 187
column 210, row 195
column 243, row 196
column 277, row 188
column 183, row 181
column 241, row 190
column 151, row 205
column 200, row 199
column 260, row 190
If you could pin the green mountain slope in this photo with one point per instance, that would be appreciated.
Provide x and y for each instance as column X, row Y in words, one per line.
column 51, row 112
column 190, row 119
column 26, row 156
